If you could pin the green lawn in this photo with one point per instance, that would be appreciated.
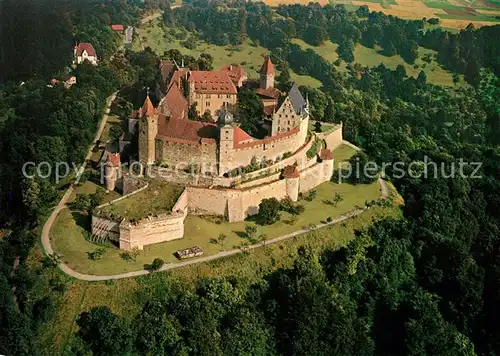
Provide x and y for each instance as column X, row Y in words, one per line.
column 249, row 55
column 69, row 229
column 159, row 197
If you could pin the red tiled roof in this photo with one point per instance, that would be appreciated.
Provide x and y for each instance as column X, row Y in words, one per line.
column 177, row 104
column 113, row 159
column 147, row 108
column 325, row 154
column 268, row 139
column 269, row 92
column 214, row 82
column 117, row 27
column 268, row 67
column 235, row 72
column 240, row 135
column 85, row 46
column 177, row 76
column 186, row 131
column 291, row 172
column 166, row 68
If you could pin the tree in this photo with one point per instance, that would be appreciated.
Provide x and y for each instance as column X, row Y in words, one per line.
column 193, row 112
column 317, row 126
column 250, row 231
column 157, row 264
column 249, row 111
column 362, row 11
column 104, row 332
column 269, row 211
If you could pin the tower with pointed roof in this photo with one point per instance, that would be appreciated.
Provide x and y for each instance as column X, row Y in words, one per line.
column 148, row 129
column 267, row 74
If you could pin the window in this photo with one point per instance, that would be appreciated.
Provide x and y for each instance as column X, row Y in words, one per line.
column 228, row 96
column 207, row 103
column 198, row 96
column 288, row 129
column 208, row 96
column 279, row 121
column 288, row 122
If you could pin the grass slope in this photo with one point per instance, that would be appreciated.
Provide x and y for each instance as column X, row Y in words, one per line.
column 370, row 57
column 249, row 55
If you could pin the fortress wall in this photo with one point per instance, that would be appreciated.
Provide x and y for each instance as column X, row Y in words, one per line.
column 298, row 157
column 333, row 138
column 182, row 202
column 203, row 201
column 270, row 150
column 315, row 175
column 179, row 176
column 260, row 181
column 105, row 228
column 252, row 197
column 152, row 230
column 204, row 153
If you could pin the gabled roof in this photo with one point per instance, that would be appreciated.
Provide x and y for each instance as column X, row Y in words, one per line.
column 267, row 67
column 178, row 76
column 147, row 108
column 117, row 27
column 235, row 72
column 240, row 135
column 298, row 102
column 186, row 131
column 273, row 93
column 177, row 104
column 212, row 82
column 85, row 46
column 166, row 69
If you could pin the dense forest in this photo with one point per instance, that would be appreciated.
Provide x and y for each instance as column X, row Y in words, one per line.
column 425, row 282
column 465, row 52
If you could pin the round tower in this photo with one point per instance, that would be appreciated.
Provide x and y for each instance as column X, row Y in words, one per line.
column 326, row 157
column 292, row 178
column 148, row 129
column 111, row 167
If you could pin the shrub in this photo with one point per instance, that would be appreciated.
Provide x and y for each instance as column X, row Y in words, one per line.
column 157, row 264
column 269, row 211
column 96, row 254
column 329, row 219
column 311, row 195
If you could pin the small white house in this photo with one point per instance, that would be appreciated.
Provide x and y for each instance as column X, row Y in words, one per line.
column 85, row 52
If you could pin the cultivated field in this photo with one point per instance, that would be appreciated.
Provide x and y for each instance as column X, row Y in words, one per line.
column 454, row 14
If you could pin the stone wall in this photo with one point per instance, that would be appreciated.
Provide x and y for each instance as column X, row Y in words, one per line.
column 152, row 230
column 298, row 157
column 332, row 138
column 203, row 153
column 179, row 176
column 313, row 176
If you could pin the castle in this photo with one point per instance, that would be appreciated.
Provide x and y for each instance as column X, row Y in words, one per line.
column 167, row 136
column 297, row 160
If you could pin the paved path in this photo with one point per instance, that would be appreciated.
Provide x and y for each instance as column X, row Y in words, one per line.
column 62, row 203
